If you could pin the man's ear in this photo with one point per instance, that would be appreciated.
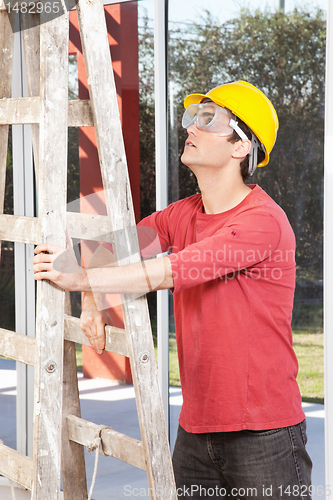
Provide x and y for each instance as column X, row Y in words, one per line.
column 242, row 149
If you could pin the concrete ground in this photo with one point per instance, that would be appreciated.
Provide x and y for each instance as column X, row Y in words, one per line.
column 114, row 406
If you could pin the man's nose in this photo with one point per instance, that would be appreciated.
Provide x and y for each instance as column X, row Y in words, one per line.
column 193, row 128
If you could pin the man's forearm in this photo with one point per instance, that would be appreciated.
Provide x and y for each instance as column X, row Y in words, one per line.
column 141, row 277
column 56, row 264
column 94, row 301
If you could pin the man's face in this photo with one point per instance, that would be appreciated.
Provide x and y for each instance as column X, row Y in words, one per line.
column 206, row 149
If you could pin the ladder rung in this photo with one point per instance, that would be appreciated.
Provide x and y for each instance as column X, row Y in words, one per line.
column 15, row 466
column 22, row 229
column 80, row 114
column 19, row 229
column 114, row 443
column 116, row 338
column 88, row 227
column 20, row 110
column 18, row 347
column 25, row 110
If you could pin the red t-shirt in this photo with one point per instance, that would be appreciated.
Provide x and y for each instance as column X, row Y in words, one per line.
column 234, row 280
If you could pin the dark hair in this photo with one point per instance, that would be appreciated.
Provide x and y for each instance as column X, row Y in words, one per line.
column 244, row 165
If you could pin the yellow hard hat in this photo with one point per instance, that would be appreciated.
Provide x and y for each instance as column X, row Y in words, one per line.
column 250, row 105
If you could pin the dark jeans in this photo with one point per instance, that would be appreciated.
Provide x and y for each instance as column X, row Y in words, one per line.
column 271, row 464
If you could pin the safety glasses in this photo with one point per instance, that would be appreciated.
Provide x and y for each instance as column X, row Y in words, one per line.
column 210, row 117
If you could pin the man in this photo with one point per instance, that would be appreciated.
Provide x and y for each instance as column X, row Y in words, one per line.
column 232, row 273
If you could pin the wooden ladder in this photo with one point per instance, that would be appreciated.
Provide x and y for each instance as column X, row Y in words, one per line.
column 59, row 432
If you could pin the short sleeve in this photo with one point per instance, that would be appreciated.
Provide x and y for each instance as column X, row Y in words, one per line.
column 153, row 234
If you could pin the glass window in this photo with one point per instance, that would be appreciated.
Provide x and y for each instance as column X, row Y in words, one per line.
column 281, row 51
column 7, row 315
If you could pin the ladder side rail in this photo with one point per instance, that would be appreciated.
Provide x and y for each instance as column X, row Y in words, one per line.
column 120, row 210
column 74, row 476
column 52, row 191
column 102, row 92
column 73, row 463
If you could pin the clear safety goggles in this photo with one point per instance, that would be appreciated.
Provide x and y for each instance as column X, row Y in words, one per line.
column 210, row 117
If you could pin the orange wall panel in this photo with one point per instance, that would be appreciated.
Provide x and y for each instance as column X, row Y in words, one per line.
column 122, row 25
